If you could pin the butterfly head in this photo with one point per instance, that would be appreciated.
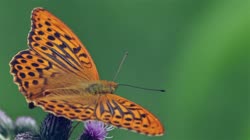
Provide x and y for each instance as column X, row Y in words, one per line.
column 109, row 86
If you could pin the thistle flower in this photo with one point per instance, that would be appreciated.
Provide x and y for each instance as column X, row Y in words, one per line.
column 95, row 130
column 6, row 126
column 26, row 124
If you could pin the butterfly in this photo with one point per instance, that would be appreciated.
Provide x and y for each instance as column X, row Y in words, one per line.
column 58, row 74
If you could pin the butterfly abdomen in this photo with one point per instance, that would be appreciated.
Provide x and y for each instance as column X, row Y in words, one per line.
column 101, row 87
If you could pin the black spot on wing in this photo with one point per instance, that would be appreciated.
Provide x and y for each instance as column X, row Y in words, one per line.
column 29, row 57
column 44, row 48
column 67, row 37
column 40, row 32
column 28, row 67
column 143, row 115
column 83, row 55
column 78, row 111
column 22, row 75
column 76, row 50
column 73, row 107
column 36, row 44
column 49, row 30
column 127, row 124
column 128, row 119
column 35, row 64
column 32, row 74
column 87, row 112
column 51, row 37
column 37, row 38
column 40, row 60
column 145, row 125
column 31, row 33
column 23, row 61
column 47, row 23
column 31, row 105
column 60, row 105
column 19, row 67
column 40, row 25
column 26, row 84
column 57, row 34
column 35, row 82
column 39, row 70
column 49, row 44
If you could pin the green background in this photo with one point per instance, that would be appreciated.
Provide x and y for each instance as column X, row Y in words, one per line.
column 197, row 50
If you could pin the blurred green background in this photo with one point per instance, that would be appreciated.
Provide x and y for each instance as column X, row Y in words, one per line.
column 197, row 50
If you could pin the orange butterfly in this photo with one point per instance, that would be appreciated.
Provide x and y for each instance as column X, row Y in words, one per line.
column 58, row 74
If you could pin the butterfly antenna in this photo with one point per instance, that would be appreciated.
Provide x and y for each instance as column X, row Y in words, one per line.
column 72, row 129
column 127, row 85
column 120, row 66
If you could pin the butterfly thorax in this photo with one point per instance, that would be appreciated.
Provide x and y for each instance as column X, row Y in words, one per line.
column 101, row 87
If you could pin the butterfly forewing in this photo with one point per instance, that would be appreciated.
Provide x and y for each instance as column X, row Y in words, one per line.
column 54, row 41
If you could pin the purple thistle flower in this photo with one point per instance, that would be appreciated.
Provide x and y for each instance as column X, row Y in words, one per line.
column 95, row 130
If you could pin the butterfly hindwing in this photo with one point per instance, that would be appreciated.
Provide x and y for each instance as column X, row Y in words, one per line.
column 123, row 113
column 68, row 103
column 109, row 108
